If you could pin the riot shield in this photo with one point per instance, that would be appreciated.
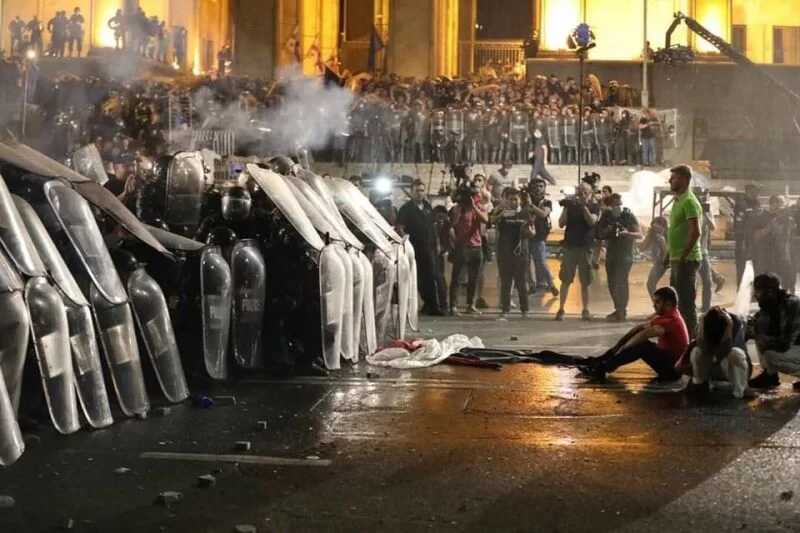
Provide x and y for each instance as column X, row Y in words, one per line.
column 384, row 275
column 358, row 299
column 14, row 329
column 76, row 218
column 216, row 299
column 49, row 253
column 87, row 162
column 15, row 239
column 249, row 279
column 118, row 340
column 349, row 348
column 314, row 214
column 50, row 334
column 281, row 195
column 184, row 189
column 89, row 381
column 360, row 220
column 173, row 241
column 403, row 286
column 11, row 444
column 319, row 193
column 413, row 289
column 369, row 341
column 152, row 316
column 347, row 189
column 332, row 288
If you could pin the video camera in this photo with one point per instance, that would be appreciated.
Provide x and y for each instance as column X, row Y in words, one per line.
column 465, row 190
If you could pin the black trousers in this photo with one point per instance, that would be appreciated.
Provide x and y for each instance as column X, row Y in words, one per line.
column 618, row 269
column 428, row 279
column 471, row 258
column 513, row 270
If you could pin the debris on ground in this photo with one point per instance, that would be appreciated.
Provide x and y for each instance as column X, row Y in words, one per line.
column 68, row 524
column 244, row 528
column 162, row 411
column 262, row 425
column 206, row 481
column 787, row 495
column 169, row 497
column 122, row 470
column 7, row 502
column 422, row 353
column 225, row 400
column 243, row 445
column 513, row 338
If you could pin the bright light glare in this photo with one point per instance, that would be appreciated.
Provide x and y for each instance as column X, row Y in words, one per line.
column 560, row 19
column 382, row 185
column 31, row 54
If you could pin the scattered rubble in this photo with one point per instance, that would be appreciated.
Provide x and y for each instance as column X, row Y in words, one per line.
column 169, row 497
column 206, row 481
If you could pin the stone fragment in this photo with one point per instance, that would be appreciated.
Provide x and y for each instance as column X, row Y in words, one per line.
column 7, row 502
column 169, row 497
column 206, row 481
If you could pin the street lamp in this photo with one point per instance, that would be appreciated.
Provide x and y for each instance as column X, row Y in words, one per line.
column 580, row 41
column 30, row 59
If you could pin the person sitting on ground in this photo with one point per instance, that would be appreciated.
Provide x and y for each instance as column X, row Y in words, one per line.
column 666, row 325
column 719, row 354
column 776, row 330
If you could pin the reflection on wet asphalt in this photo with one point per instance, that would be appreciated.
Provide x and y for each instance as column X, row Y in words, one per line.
column 527, row 448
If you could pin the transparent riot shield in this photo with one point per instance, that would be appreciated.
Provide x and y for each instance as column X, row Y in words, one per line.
column 332, row 302
column 118, row 340
column 346, row 189
column 403, row 286
column 152, row 315
column 87, row 162
column 14, row 329
column 328, row 211
column 216, row 293
column 349, row 348
column 185, row 188
column 83, row 342
column 249, row 276
column 91, row 385
column 358, row 299
column 369, row 341
column 11, row 444
column 413, row 289
column 50, row 335
column 15, row 239
column 384, row 270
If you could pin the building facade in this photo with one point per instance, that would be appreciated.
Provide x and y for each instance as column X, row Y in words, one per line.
column 207, row 22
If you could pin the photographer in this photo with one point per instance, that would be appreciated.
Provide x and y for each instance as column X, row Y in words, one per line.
column 540, row 208
column 578, row 217
column 467, row 217
column 619, row 227
column 514, row 228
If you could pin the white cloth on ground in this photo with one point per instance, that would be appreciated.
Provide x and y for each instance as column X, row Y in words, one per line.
column 430, row 353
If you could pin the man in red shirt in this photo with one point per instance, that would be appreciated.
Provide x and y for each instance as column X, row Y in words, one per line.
column 466, row 218
column 667, row 326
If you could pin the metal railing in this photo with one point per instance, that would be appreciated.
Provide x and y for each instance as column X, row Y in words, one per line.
column 496, row 52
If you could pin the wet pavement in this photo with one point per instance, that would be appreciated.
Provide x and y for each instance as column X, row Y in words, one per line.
column 526, row 448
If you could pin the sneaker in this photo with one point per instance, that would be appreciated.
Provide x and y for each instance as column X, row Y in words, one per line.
column 513, row 305
column 525, row 314
column 473, row 310
column 612, row 317
column 586, row 316
column 481, row 304
column 560, row 315
column 765, row 380
column 454, row 312
column 720, row 282
column 503, row 316
column 554, row 291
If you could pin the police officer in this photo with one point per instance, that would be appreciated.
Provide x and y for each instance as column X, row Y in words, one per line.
column 619, row 227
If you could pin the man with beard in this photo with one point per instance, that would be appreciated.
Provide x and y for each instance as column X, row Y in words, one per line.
column 684, row 243
column 415, row 219
column 776, row 330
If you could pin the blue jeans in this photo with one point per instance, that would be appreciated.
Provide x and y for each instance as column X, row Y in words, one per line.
column 648, row 152
column 539, row 256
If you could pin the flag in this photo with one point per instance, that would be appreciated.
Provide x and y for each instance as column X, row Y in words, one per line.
column 315, row 51
column 375, row 46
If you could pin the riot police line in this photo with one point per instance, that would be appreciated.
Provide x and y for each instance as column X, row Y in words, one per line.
column 103, row 306
column 476, row 133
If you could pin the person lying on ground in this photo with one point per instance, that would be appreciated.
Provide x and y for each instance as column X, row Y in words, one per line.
column 776, row 330
column 719, row 354
column 666, row 325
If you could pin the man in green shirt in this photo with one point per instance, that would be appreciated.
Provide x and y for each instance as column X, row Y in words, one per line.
column 683, row 239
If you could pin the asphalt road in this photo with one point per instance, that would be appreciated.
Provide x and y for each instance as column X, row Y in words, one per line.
column 527, row 448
